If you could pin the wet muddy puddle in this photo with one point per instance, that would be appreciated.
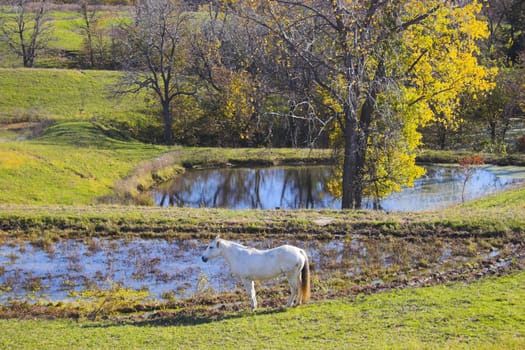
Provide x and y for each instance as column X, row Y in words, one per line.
column 62, row 270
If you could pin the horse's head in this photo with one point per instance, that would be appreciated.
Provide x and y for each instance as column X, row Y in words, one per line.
column 212, row 250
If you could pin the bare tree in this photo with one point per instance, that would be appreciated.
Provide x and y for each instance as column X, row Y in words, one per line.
column 90, row 21
column 158, row 55
column 26, row 33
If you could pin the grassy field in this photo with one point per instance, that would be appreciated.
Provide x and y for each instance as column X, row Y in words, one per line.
column 486, row 314
column 52, row 187
column 65, row 33
column 501, row 215
column 73, row 163
column 59, row 94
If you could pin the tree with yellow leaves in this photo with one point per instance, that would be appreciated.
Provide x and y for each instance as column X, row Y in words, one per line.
column 379, row 70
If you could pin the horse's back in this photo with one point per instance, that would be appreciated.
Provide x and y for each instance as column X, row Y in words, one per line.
column 286, row 252
column 266, row 264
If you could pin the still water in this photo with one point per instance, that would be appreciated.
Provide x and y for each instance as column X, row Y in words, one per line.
column 305, row 187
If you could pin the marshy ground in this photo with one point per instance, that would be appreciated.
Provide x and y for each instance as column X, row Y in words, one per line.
column 147, row 278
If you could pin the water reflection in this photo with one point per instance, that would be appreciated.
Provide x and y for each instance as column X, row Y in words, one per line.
column 442, row 186
column 241, row 188
column 305, row 187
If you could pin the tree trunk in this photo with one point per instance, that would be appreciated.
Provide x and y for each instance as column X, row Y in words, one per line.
column 349, row 162
column 168, row 123
column 442, row 136
column 89, row 30
column 356, row 145
column 492, row 128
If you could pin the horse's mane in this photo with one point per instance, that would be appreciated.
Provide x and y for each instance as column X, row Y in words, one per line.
column 235, row 244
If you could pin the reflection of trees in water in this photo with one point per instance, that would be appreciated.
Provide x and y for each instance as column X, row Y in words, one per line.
column 303, row 183
column 246, row 188
column 237, row 187
column 304, row 187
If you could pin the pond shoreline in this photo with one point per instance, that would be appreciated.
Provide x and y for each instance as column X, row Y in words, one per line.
column 137, row 184
column 50, row 223
column 453, row 157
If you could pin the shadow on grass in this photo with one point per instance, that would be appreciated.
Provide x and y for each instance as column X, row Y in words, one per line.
column 182, row 318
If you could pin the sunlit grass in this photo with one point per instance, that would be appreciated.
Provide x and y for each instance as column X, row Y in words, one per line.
column 64, row 94
column 73, row 163
column 487, row 314
column 65, row 33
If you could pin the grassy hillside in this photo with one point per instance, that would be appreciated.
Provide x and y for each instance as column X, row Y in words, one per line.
column 487, row 314
column 65, row 24
column 73, row 163
column 36, row 94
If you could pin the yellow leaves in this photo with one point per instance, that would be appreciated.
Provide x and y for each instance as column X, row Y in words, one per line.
column 392, row 170
column 329, row 101
column 467, row 19
column 441, row 57
column 239, row 103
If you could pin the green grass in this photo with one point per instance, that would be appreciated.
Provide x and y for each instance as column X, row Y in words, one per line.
column 453, row 156
column 487, row 314
column 73, row 163
column 78, row 162
column 66, row 27
column 36, row 94
column 498, row 223
column 65, row 32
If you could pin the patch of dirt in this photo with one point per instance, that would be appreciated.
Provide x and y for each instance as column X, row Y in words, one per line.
column 18, row 126
column 323, row 221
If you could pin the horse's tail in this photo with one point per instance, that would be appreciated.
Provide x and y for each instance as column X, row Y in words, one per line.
column 304, row 289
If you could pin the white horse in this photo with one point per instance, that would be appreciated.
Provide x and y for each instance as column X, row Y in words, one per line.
column 250, row 264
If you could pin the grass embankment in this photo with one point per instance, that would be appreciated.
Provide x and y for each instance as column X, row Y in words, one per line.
column 73, row 163
column 501, row 215
column 487, row 314
column 79, row 162
column 444, row 157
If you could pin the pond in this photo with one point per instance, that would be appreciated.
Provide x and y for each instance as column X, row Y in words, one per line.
column 305, row 187
column 61, row 270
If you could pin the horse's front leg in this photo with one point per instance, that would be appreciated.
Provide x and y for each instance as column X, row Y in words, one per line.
column 250, row 289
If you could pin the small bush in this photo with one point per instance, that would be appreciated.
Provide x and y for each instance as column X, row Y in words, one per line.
column 104, row 302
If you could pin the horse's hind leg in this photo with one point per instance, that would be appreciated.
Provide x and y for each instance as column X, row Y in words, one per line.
column 292, row 280
column 250, row 289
